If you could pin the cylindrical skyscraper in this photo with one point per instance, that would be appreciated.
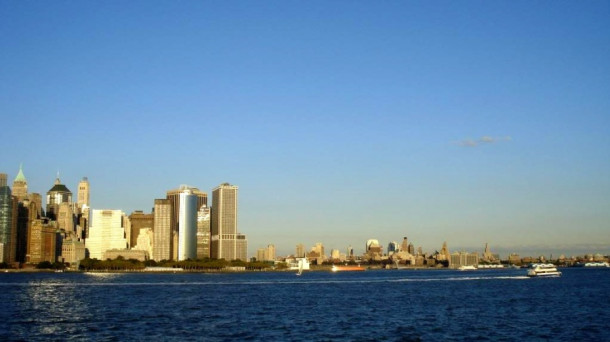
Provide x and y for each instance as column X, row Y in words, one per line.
column 187, row 225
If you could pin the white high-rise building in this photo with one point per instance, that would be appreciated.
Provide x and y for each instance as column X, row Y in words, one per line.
column 226, row 242
column 106, row 231
column 187, row 225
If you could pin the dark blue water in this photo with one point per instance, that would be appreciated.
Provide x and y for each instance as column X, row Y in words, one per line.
column 395, row 305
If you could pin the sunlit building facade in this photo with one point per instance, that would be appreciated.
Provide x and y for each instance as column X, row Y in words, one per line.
column 82, row 197
column 203, row 232
column 162, row 233
column 226, row 242
column 187, row 225
column 106, row 231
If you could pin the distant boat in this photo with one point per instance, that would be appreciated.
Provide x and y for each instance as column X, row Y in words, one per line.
column 467, row 268
column 490, row 266
column 543, row 270
column 336, row 268
column 300, row 271
column 597, row 264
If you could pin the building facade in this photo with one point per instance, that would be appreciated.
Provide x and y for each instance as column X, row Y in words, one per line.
column 58, row 194
column 226, row 242
column 6, row 221
column 300, row 251
column 187, row 225
column 266, row 254
column 174, row 198
column 20, row 185
column 162, row 233
column 463, row 259
column 82, row 197
column 106, row 231
column 42, row 242
column 139, row 220
column 203, row 232
column 145, row 241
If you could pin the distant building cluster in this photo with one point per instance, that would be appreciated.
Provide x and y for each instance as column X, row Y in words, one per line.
column 180, row 227
column 397, row 254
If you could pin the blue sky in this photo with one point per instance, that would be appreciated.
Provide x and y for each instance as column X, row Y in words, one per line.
column 466, row 122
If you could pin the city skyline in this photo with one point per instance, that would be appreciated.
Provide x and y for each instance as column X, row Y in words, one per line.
column 358, row 246
column 340, row 122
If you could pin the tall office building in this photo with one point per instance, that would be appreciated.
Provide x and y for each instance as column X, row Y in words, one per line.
column 300, row 251
column 58, row 194
column 42, row 242
column 65, row 217
column 162, row 230
column 174, row 197
column 106, row 231
column 226, row 243
column 404, row 245
column 83, row 193
column 20, row 185
column 187, row 225
column 266, row 254
column 203, row 232
column 6, row 221
column 350, row 252
column 37, row 198
column 26, row 213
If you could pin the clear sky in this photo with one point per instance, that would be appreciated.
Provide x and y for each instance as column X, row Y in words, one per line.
column 458, row 121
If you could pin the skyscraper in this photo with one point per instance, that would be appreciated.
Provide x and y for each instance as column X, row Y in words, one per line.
column 203, row 232
column 300, row 251
column 187, row 225
column 106, row 231
column 20, row 185
column 226, row 243
column 6, row 221
column 266, row 254
column 404, row 246
column 83, row 193
column 174, row 197
column 42, row 242
column 162, row 230
column 58, row 194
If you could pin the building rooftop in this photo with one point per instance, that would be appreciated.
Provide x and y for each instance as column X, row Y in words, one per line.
column 20, row 176
column 59, row 188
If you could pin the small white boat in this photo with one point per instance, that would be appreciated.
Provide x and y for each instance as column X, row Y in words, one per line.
column 543, row 270
column 467, row 268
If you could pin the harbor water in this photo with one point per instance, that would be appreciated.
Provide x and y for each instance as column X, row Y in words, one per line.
column 392, row 305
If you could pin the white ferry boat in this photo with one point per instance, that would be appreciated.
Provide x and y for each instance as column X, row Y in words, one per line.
column 543, row 270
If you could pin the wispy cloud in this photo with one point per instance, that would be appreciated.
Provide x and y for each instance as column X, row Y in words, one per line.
column 486, row 139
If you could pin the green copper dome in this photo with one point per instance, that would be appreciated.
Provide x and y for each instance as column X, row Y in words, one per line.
column 20, row 177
